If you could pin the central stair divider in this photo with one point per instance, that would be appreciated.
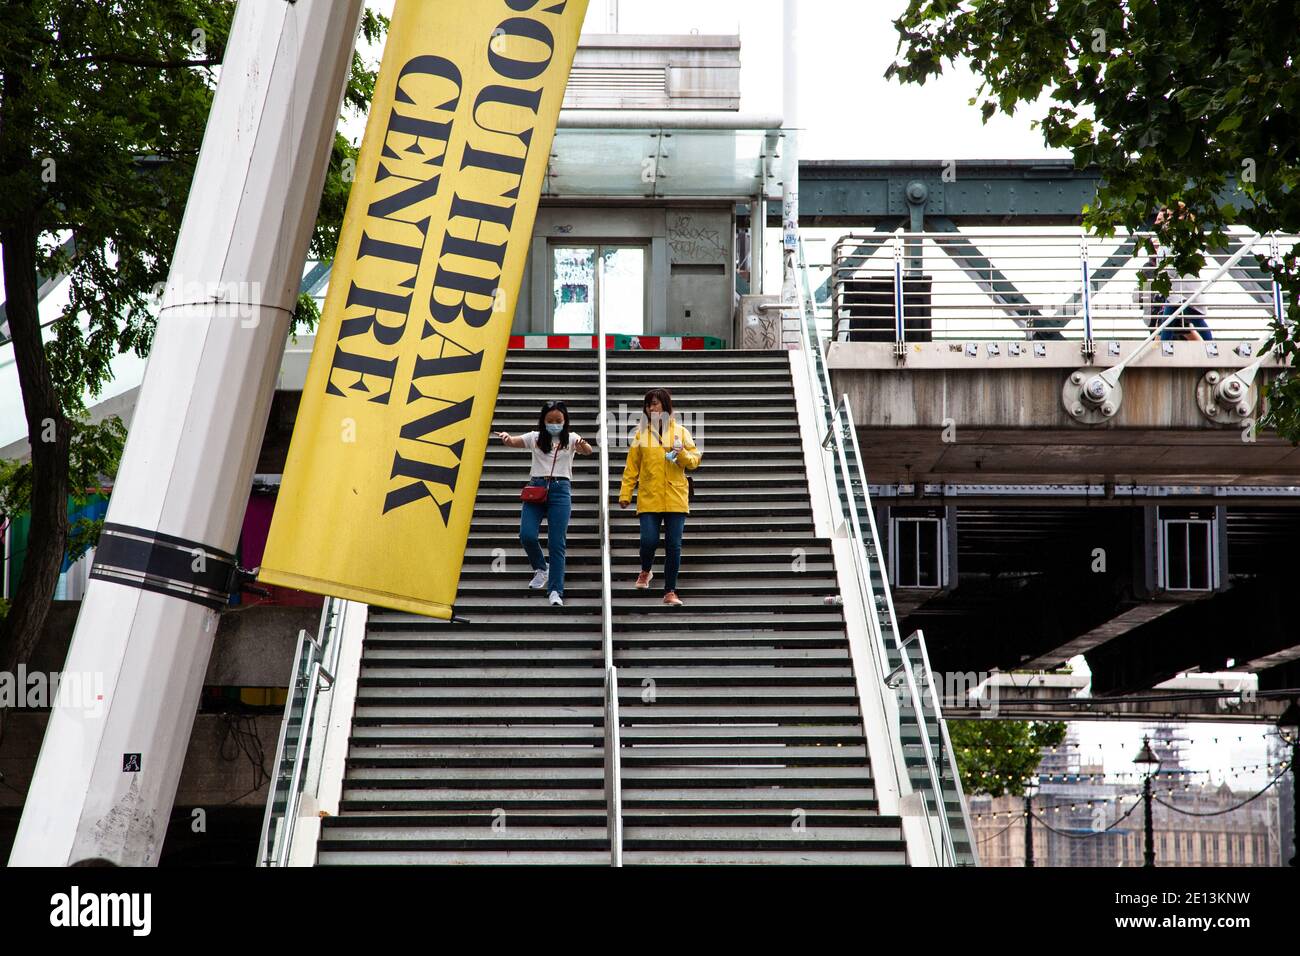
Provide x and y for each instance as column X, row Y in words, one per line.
column 613, row 766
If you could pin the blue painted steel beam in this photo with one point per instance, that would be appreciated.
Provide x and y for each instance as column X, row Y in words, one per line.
column 970, row 192
column 975, row 192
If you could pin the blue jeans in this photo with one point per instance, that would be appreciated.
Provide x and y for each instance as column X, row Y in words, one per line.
column 556, row 510
column 1179, row 326
column 673, row 524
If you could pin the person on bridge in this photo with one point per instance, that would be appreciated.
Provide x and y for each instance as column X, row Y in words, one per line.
column 1190, row 324
column 657, row 461
column 553, row 446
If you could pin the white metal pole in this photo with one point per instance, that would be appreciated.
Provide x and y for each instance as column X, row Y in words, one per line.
column 790, row 153
column 108, row 770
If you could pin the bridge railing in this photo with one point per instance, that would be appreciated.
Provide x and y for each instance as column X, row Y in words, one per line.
column 907, row 287
column 911, row 707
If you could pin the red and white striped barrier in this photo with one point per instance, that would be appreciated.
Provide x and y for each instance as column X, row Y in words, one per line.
column 664, row 343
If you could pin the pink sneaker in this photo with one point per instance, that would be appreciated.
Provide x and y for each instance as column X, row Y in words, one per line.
column 643, row 579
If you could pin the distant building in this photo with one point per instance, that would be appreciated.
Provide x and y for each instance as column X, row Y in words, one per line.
column 1076, row 812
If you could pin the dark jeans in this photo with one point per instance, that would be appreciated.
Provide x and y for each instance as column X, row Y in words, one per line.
column 673, row 524
column 556, row 511
column 1179, row 326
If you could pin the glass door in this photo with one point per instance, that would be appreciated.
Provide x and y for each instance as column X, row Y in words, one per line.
column 611, row 278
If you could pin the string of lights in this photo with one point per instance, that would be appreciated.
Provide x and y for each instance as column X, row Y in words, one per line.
column 1095, row 801
column 1167, row 740
column 1216, row 813
column 1235, row 770
column 1079, row 836
column 1118, row 798
column 998, row 834
column 1213, row 779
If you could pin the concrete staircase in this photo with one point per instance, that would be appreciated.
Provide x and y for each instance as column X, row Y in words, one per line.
column 482, row 741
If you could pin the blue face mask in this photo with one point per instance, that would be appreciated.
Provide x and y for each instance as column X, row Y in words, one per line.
column 554, row 429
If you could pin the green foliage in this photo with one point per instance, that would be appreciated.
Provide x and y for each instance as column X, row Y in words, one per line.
column 110, row 102
column 103, row 108
column 1192, row 101
column 83, row 535
column 96, row 451
column 997, row 757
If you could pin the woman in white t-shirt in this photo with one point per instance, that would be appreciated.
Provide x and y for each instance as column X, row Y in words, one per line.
column 553, row 446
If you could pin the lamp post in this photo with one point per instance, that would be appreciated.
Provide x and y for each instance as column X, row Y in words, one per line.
column 1029, row 824
column 1289, row 726
column 1147, row 757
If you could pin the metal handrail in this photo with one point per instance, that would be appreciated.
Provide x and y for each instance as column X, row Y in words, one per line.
column 901, row 644
column 1009, row 285
column 863, row 574
column 840, row 430
column 613, row 770
column 947, row 750
column 819, row 380
column 944, row 848
column 613, row 763
column 315, row 662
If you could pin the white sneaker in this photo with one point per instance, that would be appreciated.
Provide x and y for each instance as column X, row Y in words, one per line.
column 539, row 579
column 556, row 600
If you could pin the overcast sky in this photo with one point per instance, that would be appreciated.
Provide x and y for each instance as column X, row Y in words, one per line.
column 847, row 109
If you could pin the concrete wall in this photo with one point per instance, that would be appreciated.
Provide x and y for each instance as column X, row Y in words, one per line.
column 218, row 770
column 254, row 646
column 655, row 72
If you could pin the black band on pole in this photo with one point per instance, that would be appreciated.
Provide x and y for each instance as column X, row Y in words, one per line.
column 164, row 564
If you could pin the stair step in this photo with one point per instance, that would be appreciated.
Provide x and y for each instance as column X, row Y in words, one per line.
column 684, row 734
column 507, row 798
column 520, row 778
column 410, row 837
column 520, row 856
column 765, row 857
column 648, row 754
column 631, row 712
column 744, row 838
column 532, row 714
column 490, row 735
column 737, row 798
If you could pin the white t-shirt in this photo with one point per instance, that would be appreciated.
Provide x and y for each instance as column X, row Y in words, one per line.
column 542, row 460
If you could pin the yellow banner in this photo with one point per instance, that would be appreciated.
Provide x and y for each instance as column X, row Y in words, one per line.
column 384, row 465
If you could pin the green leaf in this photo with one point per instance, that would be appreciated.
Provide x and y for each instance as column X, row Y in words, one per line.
column 1229, row 123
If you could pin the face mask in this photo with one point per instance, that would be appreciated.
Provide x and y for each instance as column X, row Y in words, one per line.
column 554, row 429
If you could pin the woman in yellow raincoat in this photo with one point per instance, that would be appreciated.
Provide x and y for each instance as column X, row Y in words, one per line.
column 661, row 454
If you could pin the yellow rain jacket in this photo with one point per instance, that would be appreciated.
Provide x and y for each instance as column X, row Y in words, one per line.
column 661, row 484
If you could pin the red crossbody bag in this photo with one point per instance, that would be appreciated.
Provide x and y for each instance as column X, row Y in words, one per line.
column 538, row 494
